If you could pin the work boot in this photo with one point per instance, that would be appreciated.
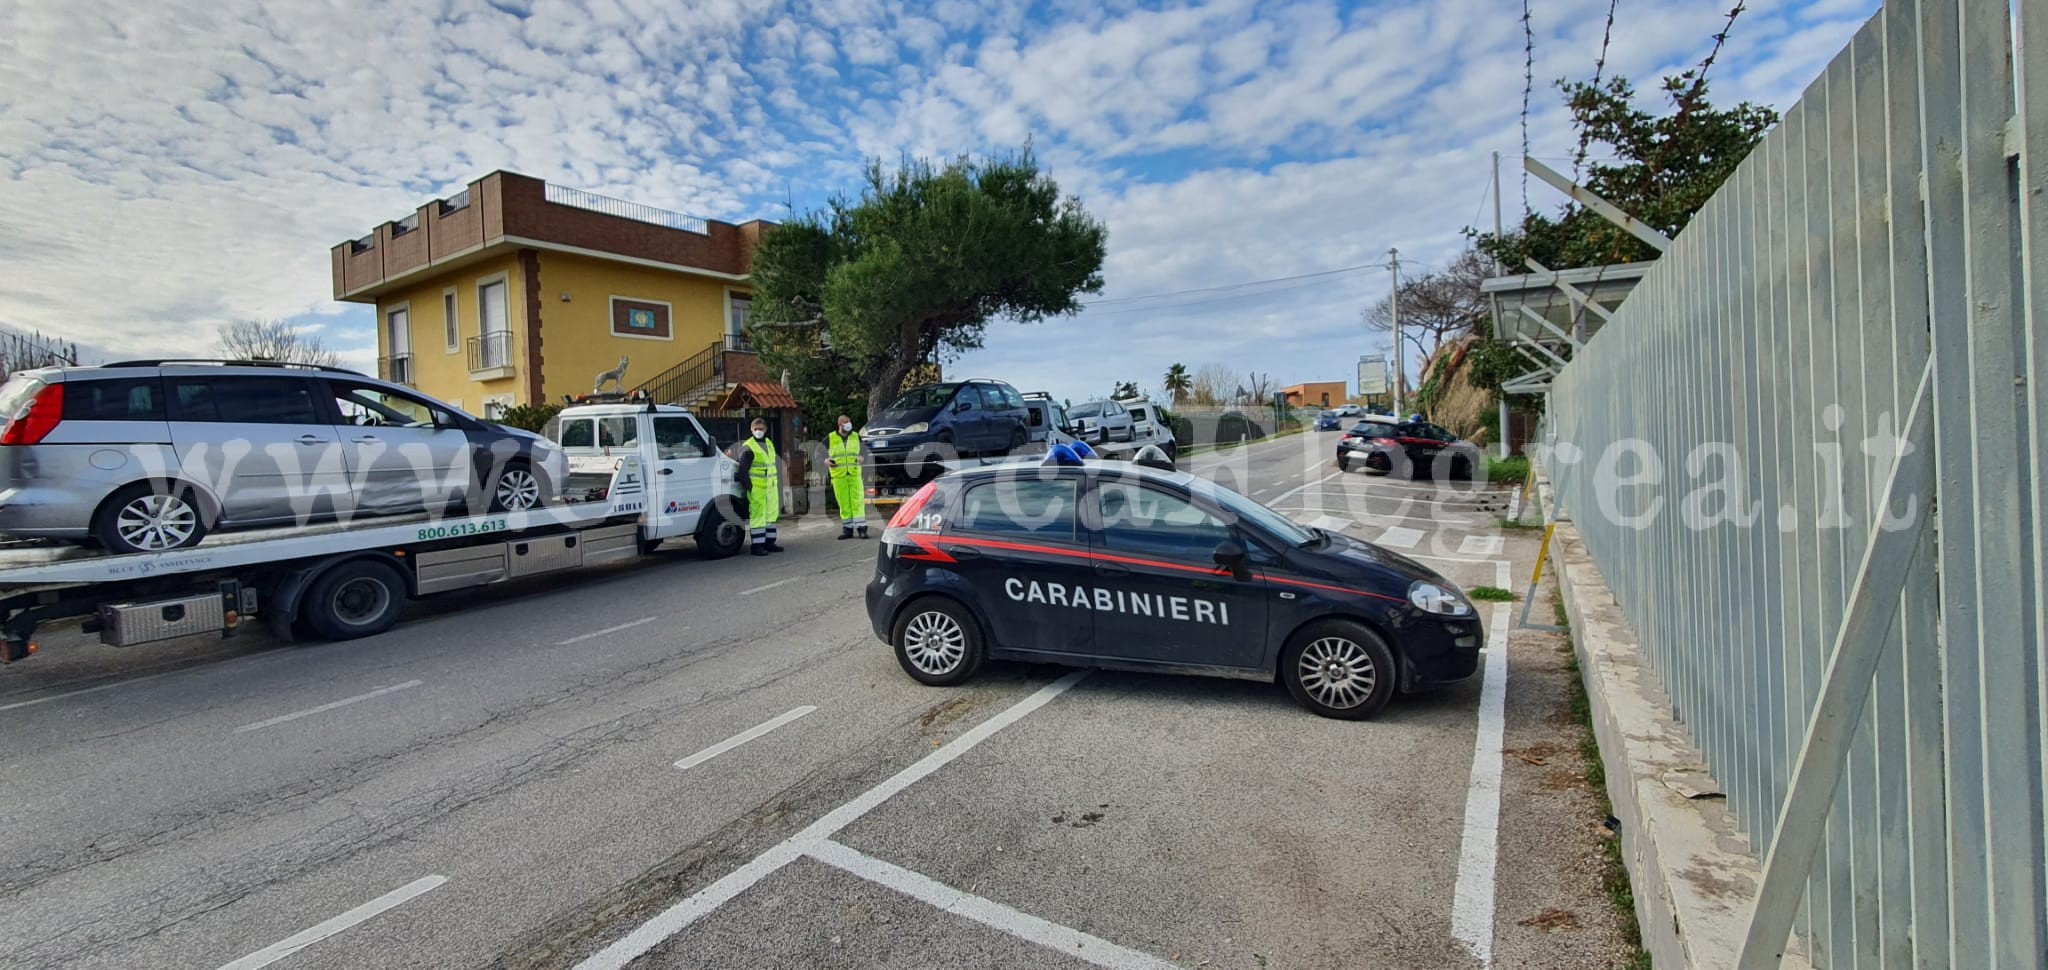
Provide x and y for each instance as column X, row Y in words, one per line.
column 760, row 550
column 846, row 532
column 772, row 547
column 863, row 531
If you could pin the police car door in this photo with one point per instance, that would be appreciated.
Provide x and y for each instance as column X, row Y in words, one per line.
column 1017, row 546
column 1166, row 600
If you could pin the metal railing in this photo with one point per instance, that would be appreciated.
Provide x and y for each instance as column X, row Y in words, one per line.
column 396, row 368
column 563, row 195
column 1853, row 637
column 490, row 351
column 670, row 385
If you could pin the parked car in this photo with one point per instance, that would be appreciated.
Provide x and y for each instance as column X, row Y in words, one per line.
column 1329, row 421
column 1101, row 422
column 1049, row 422
column 1347, row 411
column 931, row 423
column 1410, row 449
column 1147, row 426
column 145, row 456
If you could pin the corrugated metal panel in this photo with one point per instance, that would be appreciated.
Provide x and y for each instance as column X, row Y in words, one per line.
column 1732, row 435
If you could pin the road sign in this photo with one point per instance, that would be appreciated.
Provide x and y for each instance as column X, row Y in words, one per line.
column 1372, row 374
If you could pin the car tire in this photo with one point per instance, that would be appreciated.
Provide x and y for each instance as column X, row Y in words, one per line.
column 359, row 598
column 937, row 642
column 152, row 517
column 1339, row 669
column 722, row 532
column 518, row 488
column 1017, row 440
column 1343, row 463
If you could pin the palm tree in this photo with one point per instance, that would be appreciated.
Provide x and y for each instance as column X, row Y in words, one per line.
column 1178, row 383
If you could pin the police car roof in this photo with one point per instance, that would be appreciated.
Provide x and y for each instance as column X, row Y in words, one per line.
column 1113, row 469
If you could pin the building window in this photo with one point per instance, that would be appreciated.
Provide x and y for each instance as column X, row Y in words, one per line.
column 739, row 306
column 449, row 320
column 647, row 319
column 495, row 350
column 398, row 341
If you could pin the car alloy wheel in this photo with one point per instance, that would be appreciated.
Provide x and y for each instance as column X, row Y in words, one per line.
column 1337, row 672
column 934, row 642
column 517, row 490
column 155, row 522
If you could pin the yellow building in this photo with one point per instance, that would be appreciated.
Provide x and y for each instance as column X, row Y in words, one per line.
column 516, row 291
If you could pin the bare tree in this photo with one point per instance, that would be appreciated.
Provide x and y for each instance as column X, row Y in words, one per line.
column 25, row 351
column 1212, row 384
column 276, row 340
column 1258, row 389
column 1436, row 307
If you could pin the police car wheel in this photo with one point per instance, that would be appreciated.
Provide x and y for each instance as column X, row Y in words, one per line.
column 1343, row 463
column 1339, row 669
column 937, row 642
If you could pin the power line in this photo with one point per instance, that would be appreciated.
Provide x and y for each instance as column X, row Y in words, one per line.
column 1232, row 286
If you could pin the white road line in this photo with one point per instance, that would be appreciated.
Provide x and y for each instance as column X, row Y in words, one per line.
column 1399, row 537
column 1480, row 546
column 1478, row 849
column 594, row 634
column 743, row 737
column 305, row 938
column 672, row 920
column 1260, row 492
column 988, row 912
column 324, row 708
column 763, row 589
column 1330, row 523
column 86, row 690
column 1298, row 489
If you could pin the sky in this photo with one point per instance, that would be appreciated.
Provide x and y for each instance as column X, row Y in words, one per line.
column 170, row 165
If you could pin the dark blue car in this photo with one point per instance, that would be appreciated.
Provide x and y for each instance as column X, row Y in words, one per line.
column 1329, row 421
column 1126, row 567
column 933, row 423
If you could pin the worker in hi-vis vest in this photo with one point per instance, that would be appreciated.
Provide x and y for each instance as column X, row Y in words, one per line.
column 842, row 447
column 759, row 469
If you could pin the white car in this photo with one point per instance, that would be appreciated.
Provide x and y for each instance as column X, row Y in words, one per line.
column 1348, row 411
column 1147, row 428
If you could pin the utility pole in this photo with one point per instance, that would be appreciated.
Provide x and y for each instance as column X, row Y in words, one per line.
column 1394, row 309
column 1505, row 447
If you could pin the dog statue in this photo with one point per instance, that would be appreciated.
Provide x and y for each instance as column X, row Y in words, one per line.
column 617, row 377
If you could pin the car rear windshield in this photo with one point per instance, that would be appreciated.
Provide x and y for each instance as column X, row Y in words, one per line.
column 1373, row 429
column 921, row 398
column 1085, row 411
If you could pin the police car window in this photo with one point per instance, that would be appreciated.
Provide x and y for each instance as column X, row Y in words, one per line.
column 1042, row 510
column 677, row 437
column 1144, row 520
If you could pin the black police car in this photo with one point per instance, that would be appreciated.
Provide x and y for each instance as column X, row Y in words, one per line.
column 1116, row 565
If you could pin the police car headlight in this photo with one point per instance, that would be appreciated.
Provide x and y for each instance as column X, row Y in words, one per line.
column 1431, row 598
column 918, row 428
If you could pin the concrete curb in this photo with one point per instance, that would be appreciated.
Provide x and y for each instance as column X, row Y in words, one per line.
column 1694, row 878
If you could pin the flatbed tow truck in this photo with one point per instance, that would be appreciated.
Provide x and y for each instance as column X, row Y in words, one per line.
column 342, row 580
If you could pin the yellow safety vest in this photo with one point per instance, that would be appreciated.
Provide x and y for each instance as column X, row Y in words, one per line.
column 845, row 454
column 763, row 470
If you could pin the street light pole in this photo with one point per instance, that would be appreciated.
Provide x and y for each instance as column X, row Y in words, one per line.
column 1394, row 310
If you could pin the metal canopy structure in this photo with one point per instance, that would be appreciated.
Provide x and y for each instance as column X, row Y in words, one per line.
column 1553, row 314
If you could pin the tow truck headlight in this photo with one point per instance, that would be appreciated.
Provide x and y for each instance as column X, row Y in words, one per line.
column 918, row 428
column 1431, row 598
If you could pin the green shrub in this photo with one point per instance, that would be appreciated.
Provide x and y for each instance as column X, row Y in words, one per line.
column 529, row 417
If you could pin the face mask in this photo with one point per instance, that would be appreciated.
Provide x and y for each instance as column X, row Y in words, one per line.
column 845, row 426
column 758, row 434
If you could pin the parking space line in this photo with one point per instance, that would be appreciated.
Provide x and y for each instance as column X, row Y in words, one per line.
column 695, row 906
column 1399, row 537
column 987, row 912
column 367, row 911
column 331, row 705
column 1480, row 546
column 763, row 589
column 1478, row 848
column 594, row 634
column 743, row 737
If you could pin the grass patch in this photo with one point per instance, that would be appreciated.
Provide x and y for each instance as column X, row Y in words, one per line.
column 1517, row 525
column 1491, row 594
column 1614, row 880
column 1514, row 468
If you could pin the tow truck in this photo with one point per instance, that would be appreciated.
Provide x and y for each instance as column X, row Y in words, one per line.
column 658, row 476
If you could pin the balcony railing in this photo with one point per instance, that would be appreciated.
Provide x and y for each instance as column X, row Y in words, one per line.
column 491, row 352
column 563, row 195
column 396, row 368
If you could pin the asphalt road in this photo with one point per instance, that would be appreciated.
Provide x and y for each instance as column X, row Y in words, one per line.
column 496, row 782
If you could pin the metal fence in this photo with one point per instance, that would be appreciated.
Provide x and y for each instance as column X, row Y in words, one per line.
column 1854, row 639
column 564, row 195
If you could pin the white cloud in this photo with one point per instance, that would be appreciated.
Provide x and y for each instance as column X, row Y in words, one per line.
column 168, row 165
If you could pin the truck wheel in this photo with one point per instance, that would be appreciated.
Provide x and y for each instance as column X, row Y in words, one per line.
column 151, row 517
column 723, row 531
column 355, row 599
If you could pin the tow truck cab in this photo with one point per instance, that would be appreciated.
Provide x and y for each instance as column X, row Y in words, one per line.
column 687, row 474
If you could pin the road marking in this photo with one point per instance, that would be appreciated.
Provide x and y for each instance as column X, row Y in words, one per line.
column 763, row 589
column 1260, row 492
column 672, row 920
column 1480, row 546
column 1478, row 849
column 324, row 708
column 1399, row 537
column 305, row 938
column 594, row 634
column 1330, row 523
column 741, row 738
column 87, row 690
column 987, row 912
column 1304, row 486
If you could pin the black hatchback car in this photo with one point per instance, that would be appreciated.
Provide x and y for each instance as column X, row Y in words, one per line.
column 1132, row 568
